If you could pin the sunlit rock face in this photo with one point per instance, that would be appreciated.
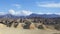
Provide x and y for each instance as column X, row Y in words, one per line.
column 32, row 26
column 2, row 26
column 20, row 26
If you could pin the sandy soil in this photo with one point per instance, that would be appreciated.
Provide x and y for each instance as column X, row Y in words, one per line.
column 24, row 31
column 12, row 30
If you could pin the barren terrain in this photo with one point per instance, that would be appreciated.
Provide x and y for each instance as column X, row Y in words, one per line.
column 26, row 31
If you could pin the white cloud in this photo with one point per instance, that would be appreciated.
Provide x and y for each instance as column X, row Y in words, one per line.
column 45, row 13
column 57, row 5
column 20, row 13
column 17, row 5
column 49, row 13
column 57, row 13
column 2, row 13
column 25, row 12
column 11, row 11
column 40, row 13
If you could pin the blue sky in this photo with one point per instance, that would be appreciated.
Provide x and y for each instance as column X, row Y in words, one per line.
column 26, row 7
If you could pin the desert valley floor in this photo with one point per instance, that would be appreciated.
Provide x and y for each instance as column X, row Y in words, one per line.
column 26, row 31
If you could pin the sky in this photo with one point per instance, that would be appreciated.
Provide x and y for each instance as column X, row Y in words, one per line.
column 27, row 7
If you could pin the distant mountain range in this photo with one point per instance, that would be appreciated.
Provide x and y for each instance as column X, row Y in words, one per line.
column 45, row 15
column 31, row 15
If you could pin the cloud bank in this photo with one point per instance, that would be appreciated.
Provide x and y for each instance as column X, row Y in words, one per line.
column 23, row 13
column 48, row 4
column 20, row 13
column 2, row 13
